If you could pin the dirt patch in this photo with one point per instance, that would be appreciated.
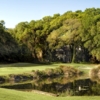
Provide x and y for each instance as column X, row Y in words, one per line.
column 41, row 92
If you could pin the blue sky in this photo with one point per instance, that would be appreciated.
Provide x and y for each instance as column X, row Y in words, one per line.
column 15, row 11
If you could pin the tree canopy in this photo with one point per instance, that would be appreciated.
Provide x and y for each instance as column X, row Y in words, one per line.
column 70, row 37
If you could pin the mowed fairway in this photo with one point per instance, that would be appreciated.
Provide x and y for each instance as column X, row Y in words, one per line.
column 17, row 68
column 6, row 94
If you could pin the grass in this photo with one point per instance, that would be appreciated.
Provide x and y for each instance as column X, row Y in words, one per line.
column 17, row 68
column 6, row 94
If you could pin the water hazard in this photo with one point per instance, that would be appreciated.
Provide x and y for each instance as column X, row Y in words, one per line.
column 60, row 86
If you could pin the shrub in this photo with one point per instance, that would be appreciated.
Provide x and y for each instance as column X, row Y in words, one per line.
column 94, row 74
column 58, row 71
column 49, row 72
column 4, row 79
column 70, row 71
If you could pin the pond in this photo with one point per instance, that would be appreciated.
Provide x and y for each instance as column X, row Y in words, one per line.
column 59, row 86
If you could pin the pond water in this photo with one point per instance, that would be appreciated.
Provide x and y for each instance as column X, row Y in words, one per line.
column 60, row 86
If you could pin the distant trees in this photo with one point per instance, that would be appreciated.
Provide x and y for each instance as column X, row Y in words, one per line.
column 71, row 37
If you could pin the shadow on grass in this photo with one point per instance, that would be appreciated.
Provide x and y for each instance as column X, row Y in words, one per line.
column 26, row 65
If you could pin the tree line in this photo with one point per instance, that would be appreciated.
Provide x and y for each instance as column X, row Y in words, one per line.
column 70, row 37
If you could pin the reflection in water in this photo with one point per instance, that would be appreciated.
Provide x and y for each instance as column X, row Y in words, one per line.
column 61, row 85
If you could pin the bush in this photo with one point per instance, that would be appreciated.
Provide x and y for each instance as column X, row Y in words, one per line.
column 49, row 72
column 4, row 79
column 94, row 74
column 70, row 71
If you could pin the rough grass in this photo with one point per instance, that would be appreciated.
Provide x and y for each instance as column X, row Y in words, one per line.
column 6, row 94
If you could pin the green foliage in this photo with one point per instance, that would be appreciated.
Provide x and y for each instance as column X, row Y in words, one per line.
column 4, row 79
column 70, row 71
column 96, row 89
column 80, row 30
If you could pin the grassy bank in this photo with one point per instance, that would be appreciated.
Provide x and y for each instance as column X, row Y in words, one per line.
column 17, row 68
column 6, row 94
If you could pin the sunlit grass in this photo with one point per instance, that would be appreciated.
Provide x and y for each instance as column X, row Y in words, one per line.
column 6, row 69
column 16, row 68
column 6, row 94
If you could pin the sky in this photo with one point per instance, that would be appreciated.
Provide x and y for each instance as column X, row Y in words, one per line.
column 16, row 11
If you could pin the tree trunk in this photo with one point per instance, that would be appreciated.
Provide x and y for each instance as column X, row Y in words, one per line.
column 73, row 53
